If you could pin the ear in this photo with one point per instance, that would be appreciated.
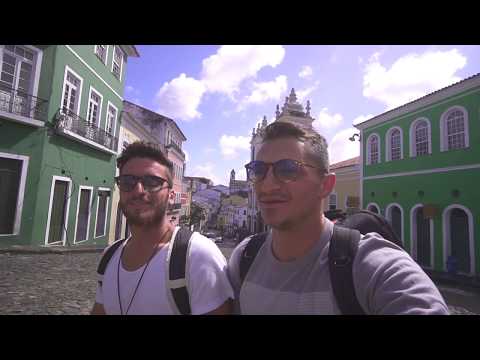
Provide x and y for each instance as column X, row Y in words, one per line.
column 328, row 185
column 171, row 196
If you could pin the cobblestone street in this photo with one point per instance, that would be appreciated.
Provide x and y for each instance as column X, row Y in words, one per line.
column 64, row 284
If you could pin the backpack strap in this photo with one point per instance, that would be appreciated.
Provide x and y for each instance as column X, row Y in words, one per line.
column 107, row 255
column 342, row 251
column 177, row 261
column 249, row 254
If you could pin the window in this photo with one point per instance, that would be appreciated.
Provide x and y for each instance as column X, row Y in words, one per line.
column 117, row 62
column 17, row 78
column 395, row 145
column 72, row 88
column 102, row 207
column 373, row 150
column 332, row 202
column 421, row 138
column 111, row 119
column 83, row 213
column 12, row 185
column 454, row 129
column 101, row 51
column 94, row 108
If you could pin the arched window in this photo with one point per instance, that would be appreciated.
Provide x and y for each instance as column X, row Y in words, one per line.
column 421, row 138
column 373, row 208
column 373, row 149
column 394, row 148
column 454, row 129
column 458, row 239
column 394, row 215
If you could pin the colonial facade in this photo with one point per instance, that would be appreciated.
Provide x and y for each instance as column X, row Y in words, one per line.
column 292, row 111
column 420, row 168
column 59, row 122
column 346, row 194
column 237, row 185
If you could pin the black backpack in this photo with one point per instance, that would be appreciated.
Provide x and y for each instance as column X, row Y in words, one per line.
column 176, row 258
column 342, row 251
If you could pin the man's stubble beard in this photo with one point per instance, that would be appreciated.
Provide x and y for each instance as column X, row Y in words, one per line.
column 139, row 219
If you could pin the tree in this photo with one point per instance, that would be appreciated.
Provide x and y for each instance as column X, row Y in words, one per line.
column 197, row 214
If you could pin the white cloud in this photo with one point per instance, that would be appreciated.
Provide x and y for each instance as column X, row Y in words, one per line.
column 232, row 64
column 327, row 121
column 129, row 88
column 231, row 145
column 206, row 170
column 208, row 150
column 361, row 118
column 340, row 148
column 264, row 91
column 180, row 98
column 411, row 76
column 303, row 93
column 306, row 72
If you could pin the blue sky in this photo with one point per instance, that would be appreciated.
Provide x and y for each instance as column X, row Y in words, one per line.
column 217, row 94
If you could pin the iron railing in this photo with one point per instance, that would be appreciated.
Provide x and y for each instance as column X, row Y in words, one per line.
column 20, row 103
column 176, row 147
column 68, row 120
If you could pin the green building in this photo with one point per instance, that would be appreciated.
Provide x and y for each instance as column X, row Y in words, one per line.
column 59, row 122
column 420, row 164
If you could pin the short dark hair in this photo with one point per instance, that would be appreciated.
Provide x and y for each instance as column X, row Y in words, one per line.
column 148, row 150
column 316, row 145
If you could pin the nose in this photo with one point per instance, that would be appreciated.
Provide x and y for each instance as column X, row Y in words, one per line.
column 138, row 187
column 270, row 181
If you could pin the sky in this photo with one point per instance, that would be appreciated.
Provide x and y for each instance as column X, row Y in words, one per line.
column 218, row 94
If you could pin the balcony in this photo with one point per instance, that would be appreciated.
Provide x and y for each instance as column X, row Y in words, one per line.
column 76, row 128
column 176, row 148
column 22, row 108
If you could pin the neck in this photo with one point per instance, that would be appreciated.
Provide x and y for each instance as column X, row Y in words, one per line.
column 152, row 235
column 293, row 243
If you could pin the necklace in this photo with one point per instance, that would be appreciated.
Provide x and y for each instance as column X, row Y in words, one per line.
column 141, row 276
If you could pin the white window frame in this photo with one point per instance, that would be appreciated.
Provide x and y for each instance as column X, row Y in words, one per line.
column 92, row 89
column 446, row 235
column 21, row 190
column 413, row 236
column 412, row 135
column 68, row 69
column 109, row 104
column 369, row 150
column 374, row 204
column 121, row 61
column 443, row 129
column 90, row 188
column 69, row 195
column 106, row 213
column 106, row 53
column 388, row 215
column 36, row 65
column 388, row 142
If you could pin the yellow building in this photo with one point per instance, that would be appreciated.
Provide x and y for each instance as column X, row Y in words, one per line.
column 346, row 194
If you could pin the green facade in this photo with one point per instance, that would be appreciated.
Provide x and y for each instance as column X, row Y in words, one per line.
column 440, row 180
column 50, row 153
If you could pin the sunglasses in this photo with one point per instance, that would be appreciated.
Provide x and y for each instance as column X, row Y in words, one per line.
column 150, row 183
column 284, row 170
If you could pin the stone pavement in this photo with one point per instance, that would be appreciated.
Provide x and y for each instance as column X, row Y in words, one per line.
column 64, row 283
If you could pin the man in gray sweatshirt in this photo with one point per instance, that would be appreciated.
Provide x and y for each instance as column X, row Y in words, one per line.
column 290, row 273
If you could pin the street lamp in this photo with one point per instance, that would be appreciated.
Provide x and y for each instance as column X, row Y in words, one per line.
column 352, row 138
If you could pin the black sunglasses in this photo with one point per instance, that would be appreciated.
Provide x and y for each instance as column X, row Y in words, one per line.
column 150, row 183
column 284, row 170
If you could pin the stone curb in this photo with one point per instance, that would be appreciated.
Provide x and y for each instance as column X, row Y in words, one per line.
column 49, row 250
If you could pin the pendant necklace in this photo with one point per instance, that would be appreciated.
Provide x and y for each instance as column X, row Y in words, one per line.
column 139, row 280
